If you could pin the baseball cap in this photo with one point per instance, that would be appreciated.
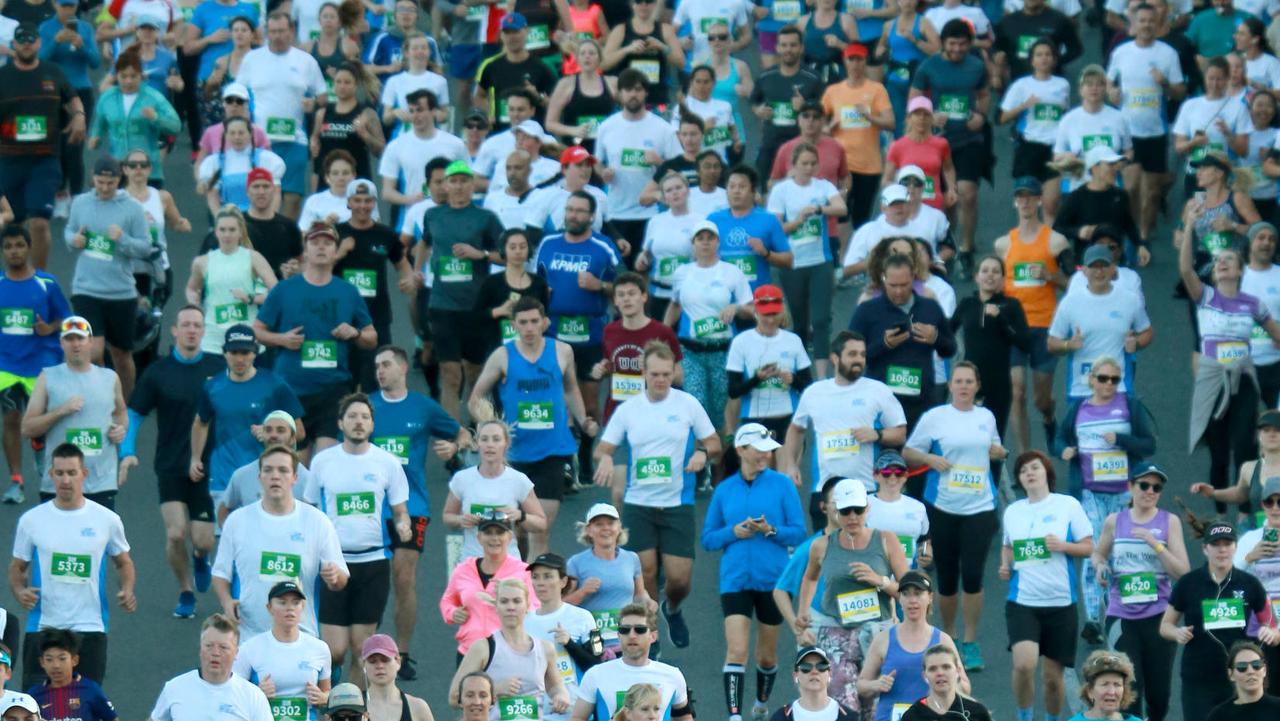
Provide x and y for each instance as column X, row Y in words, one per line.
column 576, row 154
column 915, row 579
column 891, row 194
column 890, row 459
column 707, row 226
column 240, row 337
column 284, row 416
column 379, row 643
column 910, row 171
column 68, row 2
column 1219, row 531
column 493, row 518
column 919, row 102
column 1026, row 184
column 1101, row 154
column 756, row 436
column 549, row 560
column 514, row 21
column 477, row 117
column 855, row 50
column 1147, row 468
column 362, row 186
column 235, row 90
column 5, row 658
column 810, row 651
column 1269, row 418
column 13, row 698
column 1271, row 487
column 1214, row 159
column 26, row 33
column 106, row 165
column 811, row 106
column 602, row 509
column 148, row 21
column 260, row 174
column 457, row 167
column 529, row 126
column 849, row 493
column 76, row 325
column 768, row 299
column 1097, row 254
column 284, row 588
column 347, row 696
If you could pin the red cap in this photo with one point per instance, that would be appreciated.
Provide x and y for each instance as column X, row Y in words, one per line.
column 768, row 299
column 855, row 50
column 576, row 154
column 260, row 174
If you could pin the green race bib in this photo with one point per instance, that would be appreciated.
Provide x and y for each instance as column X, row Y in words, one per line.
column 451, row 269
column 784, row 114
column 30, row 128
column 1223, row 613
column 904, row 381
column 356, row 504
column 539, row 38
column 508, row 330
column 535, row 415
column 1215, row 242
column 955, row 106
column 667, row 266
column 365, row 281
column 518, row 708
column 653, row 470
column 748, row 264
column 1024, row 45
column 1023, row 278
column 284, row 130
column 71, row 567
column 705, row 24
column 319, row 354
column 810, row 231
column 274, row 567
column 397, row 446
column 1046, row 112
column 1089, row 142
column 88, row 440
column 480, row 508
column 606, row 623
column 573, row 329
column 709, row 327
column 289, row 708
column 97, row 245
column 908, row 546
column 1030, row 550
column 477, row 12
column 17, row 321
column 228, row 313
column 930, row 190
column 593, row 124
column 1137, row 587
column 634, row 158
column 716, row 136
column 1198, row 152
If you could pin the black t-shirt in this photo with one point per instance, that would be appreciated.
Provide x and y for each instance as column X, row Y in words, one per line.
column 375, row 246
column 962, row 708
column 498, row 74
column 1194, row 593
column 495, row 291
column 681, row 165
column 1017, row 31
column 25, row 12
column 776, row 90
column 278, row 239
column 1266, row 708
column 172, row 389
column 31, row 104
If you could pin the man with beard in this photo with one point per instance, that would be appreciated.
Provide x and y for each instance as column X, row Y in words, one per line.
column 852, row 418
column 780, row 94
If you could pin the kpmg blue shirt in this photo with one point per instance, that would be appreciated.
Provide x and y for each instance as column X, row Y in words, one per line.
column 22, row 352
column 232, row 407
column 578, row 316
column 404, row 428
column 322, row 361
column 755, row 563
column 734, row 248
column 211, row 16
column 74, row 62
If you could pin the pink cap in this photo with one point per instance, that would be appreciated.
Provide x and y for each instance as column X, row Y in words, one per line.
column 920, row 102
column 381, row 644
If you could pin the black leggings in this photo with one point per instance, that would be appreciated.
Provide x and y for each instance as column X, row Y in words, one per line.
column 1269, row 379
column 1232, row 435
column 960, row 545
column 1152, row 658
column 1203, row 689
column 72, row 156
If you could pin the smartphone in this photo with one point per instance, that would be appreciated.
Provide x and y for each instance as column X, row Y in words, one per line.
column 903, row 327
column 1270, row 535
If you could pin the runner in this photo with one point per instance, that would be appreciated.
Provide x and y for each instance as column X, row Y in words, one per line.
column 942, row 671
column 213, row 685
column 514, row 68
column 606, row 576
column 1248, row 672
column 290, row 667
column 476, row 694
column 1257, row 550
column 605, row 688
column 172, row 387
column 570, row 629
column 230, row 281
column 500, row 291
column 385, row 702
column 859, row 111
column 780, row 93
column 244, row 488
column 811, row 673
column 64, row 692
column 468, row 600
column 907, row 518
column 768, row 367
column 403, row 180
column 751, row 237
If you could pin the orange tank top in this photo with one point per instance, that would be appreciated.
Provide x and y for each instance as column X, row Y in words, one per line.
column 585, row 24
column 1038, row 297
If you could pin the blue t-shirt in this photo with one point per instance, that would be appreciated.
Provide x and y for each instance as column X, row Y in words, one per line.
column 23, row 352
column 232, row 407
column 211, row 16
column 81, row 700
column 387, row 48
column 322, row 360
column 617, row 587
column 404, row 428
column 793, row 574
column 156, row 70
column 734, row 248
column 578, row 316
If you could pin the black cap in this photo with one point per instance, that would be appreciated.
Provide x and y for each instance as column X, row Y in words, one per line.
column 1147, row 468
column 915, row 579
column 240, row 337
column 1269, row 418
column 284, row 588
column 493, row 518
column 26, row 33
column 807, row 650
column 549, row 560
column 1219, row 531
column 107, row 165
column 811, row 106
column 477, row 117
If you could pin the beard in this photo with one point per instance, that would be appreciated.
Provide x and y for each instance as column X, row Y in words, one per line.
column 851, row 372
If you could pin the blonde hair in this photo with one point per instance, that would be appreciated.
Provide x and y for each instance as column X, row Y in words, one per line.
column 1102, row 662
column 503, row 584
column 636, row 695
column 585, row 538
column 231, row 211
column 1105, row 360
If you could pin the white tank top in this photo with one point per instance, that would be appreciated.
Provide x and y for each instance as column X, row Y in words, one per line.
column 153, row 207
column 529, row 666
column 221, row 309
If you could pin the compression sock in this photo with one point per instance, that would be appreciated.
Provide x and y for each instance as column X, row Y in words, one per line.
column 1026, row 714
column 764, row 682
column 734, row 675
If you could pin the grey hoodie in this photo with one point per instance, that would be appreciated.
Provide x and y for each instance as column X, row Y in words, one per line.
column 104, row 269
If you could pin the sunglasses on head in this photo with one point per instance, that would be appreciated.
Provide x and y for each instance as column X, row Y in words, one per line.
column 637, row 630
column 1270, row 501
column 856, row 510
column 892, row 472
column 717, row 37
column 234, row 101
column 807, row 667
column 1107, row 379
column 1256, row 664
column 74, row 324
column 1144, row 486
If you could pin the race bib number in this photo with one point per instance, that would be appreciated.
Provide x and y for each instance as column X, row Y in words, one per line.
column 535, row 415
column 1030, row 551
column 1089, row 142
column 651, row 69
column 477, row 12
column 930, row 188
column 1223, row 613
column 967, row 479
column 573, row 329
column 539, row 38
column 709, row 327
column 716, row 136
column 518, row 708
column 397, row 446
column 908, row 546
column 839, row 444
column 634, row 158
column 1024, row 45
column 1110, row 465
column 1215, row 242
column 365, row 281
column 904, row 381
column 858, row 606
column 88, row 440
column 593, row 124
column 810, row 231
column 228, row 313
column 784, row 114
column 478, row 509
column 851, row 119
column 1143, row 99
column 289, row 708
column 283, row 130
column 17, row 321
column 667, row 266
column 1046, row 112
column 275, row 567
column 1231, row 352
column 654, row 471
column 1025, row 277
column 71, row 567
column 452, row 269
column 705, row 24
column 955, row 106
column 607, row 623
column 623, row 386
column 1198, row 152
column 97, row 245
column 356, row 504
column 748, row 264
column 786, row 10
column 30, row 128
column 508, row 330
column 1137, row 588
column 319, row 354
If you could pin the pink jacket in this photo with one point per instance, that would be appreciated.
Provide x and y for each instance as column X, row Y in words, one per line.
column 461, row 592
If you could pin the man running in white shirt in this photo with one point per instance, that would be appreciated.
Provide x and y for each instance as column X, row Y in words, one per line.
column 212, row 691
column 603, row 687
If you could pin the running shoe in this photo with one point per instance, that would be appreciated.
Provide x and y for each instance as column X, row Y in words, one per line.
column 202, row 572
column 186, row 607
column 407, row 671
column 62, row 206
column 676, row 627
column 760, row 712
column 1092, row 633
column 15, row 495
column 971, row 656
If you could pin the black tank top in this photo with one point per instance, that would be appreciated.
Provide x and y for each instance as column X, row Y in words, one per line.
column 337, row 131
column 592, row 109
column 331, row 62
column 405, row 714
column 653, row 65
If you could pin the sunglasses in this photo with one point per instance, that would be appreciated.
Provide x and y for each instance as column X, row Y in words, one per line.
column 234, row 101
column 637, row 630
column 643, row 2
column 1113, row 380
column 137, row 163
column 856, row 510
column 820, row 667
column 345, row 717
column 892, row 472
column 1154, row 487
column 74, row 324
column 1270, row 502
column 717, row 38
column 1256, row 664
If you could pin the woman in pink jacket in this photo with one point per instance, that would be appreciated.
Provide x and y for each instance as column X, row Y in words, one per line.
column 468, row 600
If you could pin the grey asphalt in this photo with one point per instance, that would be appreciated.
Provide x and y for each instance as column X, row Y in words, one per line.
column 149, row 646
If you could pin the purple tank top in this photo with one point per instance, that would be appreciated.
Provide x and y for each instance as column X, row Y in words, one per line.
column 1104, row 467
column 1139, row 583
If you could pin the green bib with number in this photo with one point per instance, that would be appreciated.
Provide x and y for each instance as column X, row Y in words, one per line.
column 1137, row 587
column 508, row 330
column 397, row 446
column 477, row 12
column 518, row 708
column 955, row 106
column 365, row 281
column 930, row 190
column 573, row 329
column 88, row 440
column 593, row 124
column 1223, row 613
column 1023, row 277
column 653, row 470
column 282, row 129
column 277, row 566
column 482, row 508
column 539, row 38
column 904, row 381
column 1198, row 152
column 709, row 327
column 97, row 245
column 634, row 158
column 30, row 128
column 319, row 354
column 715, row 136
column 809, row 231
column 535, row 415
column 17, row 321
column 667, row 266
column 1089, row 142
column 1215, row 242
column 71, row 567
column 606, row 623
column 784, row 113
column 908, row 546
column 228, row 313
column 1046, row 112
column 706, row 24
column 356, row 504
column 1030, row 550
column 748, row 264
column 1024, row 45
column 452, row 269
column 289, row 708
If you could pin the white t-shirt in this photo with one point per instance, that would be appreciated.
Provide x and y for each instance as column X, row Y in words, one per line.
column 319, row 206
column 353, row 488
column 669, row 238
column 1143, row 99
column 834, row 410
column 493, row 152
column 719, row 118
column 540, row 171
column 291, row 667
column 406, row 158
column 1265, row 286
column 68, row 551
column 510, row 209
column 1263, row 69
column 940, row 15
column 1039, row 124
column 1261, row 142
column 703, row 293
column 867, row 236
column 1105, row 320
column 1176, row 8
column 929, row 223
column 135, row 10
column 699, row 15
column 1042, row 578
column 545, row 208
column 306, row 18
column 260, row 549
column 398, row 87
column 479, row 494
column 1126, row 279
column 661, row 436
column 7, row 26
column 964, row 438
column 278, row 83
column 605, row 685
column 621, row 145
column 751, row 351
column 1267, row 570
column 808, row 242
column 830, row 713
column 190, row 698
column 1080, row 130
column 1202, row 114
column 905, row 518
column 240, row 162
column 705, row 204
column 245, row 487
column 579, row 623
